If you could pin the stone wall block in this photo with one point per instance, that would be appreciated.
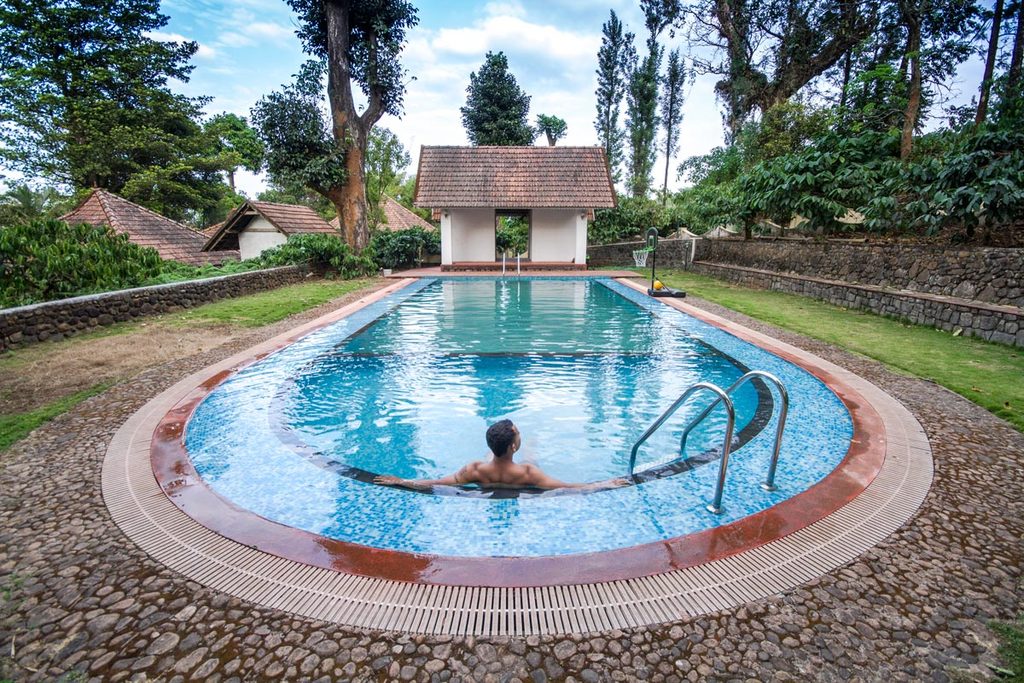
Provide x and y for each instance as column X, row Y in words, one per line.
column 57, row 319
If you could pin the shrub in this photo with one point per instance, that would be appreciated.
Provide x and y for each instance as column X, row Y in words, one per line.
column 322, row 252
column 47, row 259
column 175, row 271
column 633, row 216
column 404, row 248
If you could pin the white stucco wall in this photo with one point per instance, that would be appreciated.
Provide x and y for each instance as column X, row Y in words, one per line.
column 258, row 236
column 555, row 235
column 472, row 235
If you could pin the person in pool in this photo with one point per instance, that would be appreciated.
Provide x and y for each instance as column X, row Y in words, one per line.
column 500, row 472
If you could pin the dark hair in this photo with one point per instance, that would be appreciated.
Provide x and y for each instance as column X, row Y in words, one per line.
column 500, row 436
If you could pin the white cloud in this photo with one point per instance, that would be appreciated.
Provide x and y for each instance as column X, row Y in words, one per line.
column 232, row 39
column 507, row 9
column 202, row 52
column 514, row 34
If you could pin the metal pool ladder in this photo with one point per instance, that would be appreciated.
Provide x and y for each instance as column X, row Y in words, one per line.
column 723, row 398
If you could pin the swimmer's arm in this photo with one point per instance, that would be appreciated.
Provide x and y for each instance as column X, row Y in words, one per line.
column 466, row 475
column 539, row 479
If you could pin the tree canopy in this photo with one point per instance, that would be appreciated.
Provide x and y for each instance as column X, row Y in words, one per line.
column 386, row 161
column 551, row 127
column 85, row 102
column 355, row 43
column 496, row 110
column 614, row 59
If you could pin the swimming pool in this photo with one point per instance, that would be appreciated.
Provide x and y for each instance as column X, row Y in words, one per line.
column 407, row 385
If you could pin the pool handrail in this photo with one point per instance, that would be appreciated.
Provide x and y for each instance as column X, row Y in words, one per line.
column 723, row 398
column 769, row 482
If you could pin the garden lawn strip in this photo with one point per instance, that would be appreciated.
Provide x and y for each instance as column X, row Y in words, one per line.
column 984, row 372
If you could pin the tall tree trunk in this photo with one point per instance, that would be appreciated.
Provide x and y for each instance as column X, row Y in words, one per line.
column 350, row 201
column 847, row 67
column 231, row 179
column 990, row 64
column 914, row 94
column 1017, row 55
column 350, row 129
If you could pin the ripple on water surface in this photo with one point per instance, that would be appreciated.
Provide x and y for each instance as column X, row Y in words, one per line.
column 408, row 386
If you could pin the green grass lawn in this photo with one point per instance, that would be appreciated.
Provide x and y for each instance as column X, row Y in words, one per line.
column 15, row 427
column 249, row 311
column 268, row 307
column 986, row 373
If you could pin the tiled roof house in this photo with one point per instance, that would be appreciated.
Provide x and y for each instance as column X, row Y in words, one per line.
column 256, row 226
column 555, row 188
column 396, row 217
column 172, row 240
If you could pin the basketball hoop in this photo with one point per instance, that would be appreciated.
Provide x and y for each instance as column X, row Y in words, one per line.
column 640, row 257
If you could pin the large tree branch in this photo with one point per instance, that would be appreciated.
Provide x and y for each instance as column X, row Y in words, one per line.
column 339, row 71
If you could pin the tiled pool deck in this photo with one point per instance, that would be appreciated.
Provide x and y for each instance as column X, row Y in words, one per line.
column 84, row 597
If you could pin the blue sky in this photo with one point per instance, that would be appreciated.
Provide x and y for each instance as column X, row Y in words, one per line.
column 248, row 48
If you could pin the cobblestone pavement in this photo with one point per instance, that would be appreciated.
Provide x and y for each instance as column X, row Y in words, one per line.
column 79, row 601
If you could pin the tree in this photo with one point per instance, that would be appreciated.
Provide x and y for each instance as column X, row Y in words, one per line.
column 613, row 60
column 773, row 48
column 496, row 108
column 358, row 42
column 84, row 102
column 676, row 78
column 386, row 161
column 938, row 38
column 552, row 127
column 233, row 136
column 642, row 97
column 22, row 204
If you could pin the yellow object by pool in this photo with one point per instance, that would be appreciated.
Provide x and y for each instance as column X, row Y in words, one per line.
column 658, row 285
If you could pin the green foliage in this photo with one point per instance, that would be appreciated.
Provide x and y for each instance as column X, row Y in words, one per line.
column 376, row 36
column 979, row 183
column 233, row 136
column 512, row 235
column 173, row 271
column 496, row 108
column 84, row 102
column 677, row 77
column 630, row 219
column 706, row 206
column 321, row 252
column 552, row 127
column 1011, row 633
column 22, row 204
column 404, row 248
column 49, row 259
column 386, row 161
column 297, row 134
column 405, row 193
column 642, row 121
column 613, row 62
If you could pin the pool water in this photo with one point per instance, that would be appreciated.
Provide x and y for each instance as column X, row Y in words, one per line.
column 408, row 385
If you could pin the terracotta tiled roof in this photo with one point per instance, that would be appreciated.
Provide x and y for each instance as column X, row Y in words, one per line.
column 513, row 178
column 172, row 240
column 396, row 217
column 290, row 219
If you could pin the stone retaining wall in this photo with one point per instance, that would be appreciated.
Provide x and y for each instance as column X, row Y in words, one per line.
column 671, row 253
column 1003, row 324
column 54, row 320
column 991, row 275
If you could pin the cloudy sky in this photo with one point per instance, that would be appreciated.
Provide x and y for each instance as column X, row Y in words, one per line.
column 248, row 48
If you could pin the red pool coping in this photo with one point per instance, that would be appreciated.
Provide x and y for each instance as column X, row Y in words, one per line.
column 182, row 485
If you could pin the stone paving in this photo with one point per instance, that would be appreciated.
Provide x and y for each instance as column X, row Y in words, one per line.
column 78, row 601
